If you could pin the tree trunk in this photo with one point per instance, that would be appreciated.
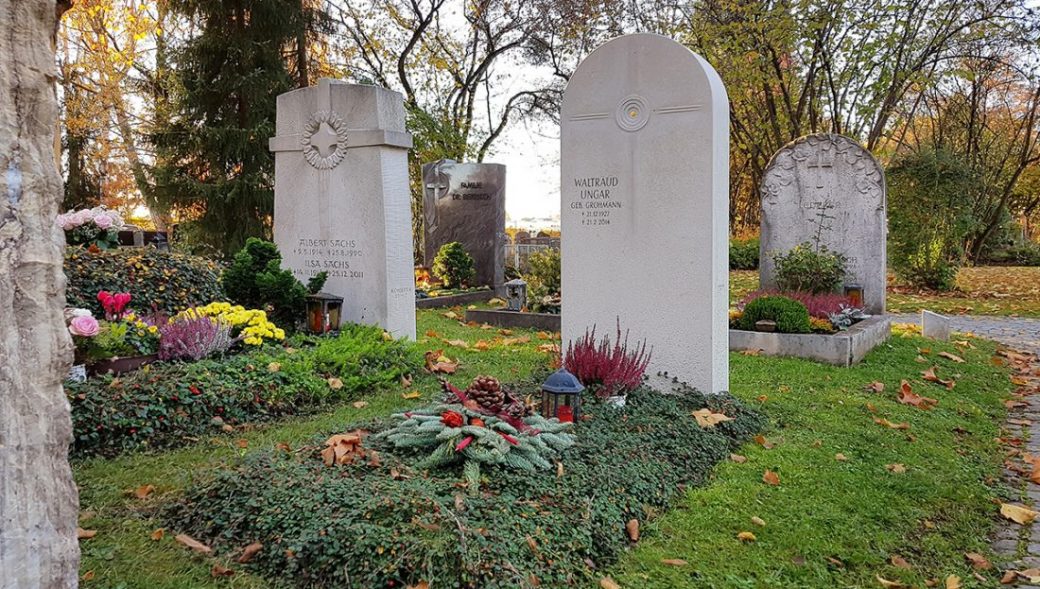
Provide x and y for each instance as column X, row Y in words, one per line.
column 38, row 502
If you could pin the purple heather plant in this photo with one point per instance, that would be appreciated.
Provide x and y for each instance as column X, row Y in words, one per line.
column 821, row 306
column 193, row 338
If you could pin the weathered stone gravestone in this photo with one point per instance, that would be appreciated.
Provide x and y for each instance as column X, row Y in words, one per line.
column 467, row 203
column 935, row 326
column 342, row 201
column 827, row 190
column 645, row 204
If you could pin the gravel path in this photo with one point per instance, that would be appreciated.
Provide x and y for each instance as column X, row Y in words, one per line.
column 1015, row 332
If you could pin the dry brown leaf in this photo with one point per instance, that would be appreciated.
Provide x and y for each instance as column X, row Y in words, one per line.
column 876, row 387
column 87, row 576
column 482, row 346
column 1017, row 513
column 335, row 384
column 908, row 397
column 891, row 584
column 950, row 356
column 899, row 562
column 675, row 562
column 771, row 478
column 896, row 468
column 706, row 418
column 930, row 376
column 457, row 343
column 220, row 570
column 411, row 395
column 632, row 528
column 739, row 459
column 559, row 469
column 158, row 534
column 746, row 537
column 274, row 367
column 978, row 562
column 343, row 448
column 360, row 404
column 608, row 583
column 953, row 582
column 431, row 333
column 425, row 585
column 889, row 424
column 144, row 491
column 242, row 443
column 840, row 457
column 249, row 552
column 1009, row 577
column 532, row 544
column 758, row 521
column 762, row 441
column 1032, row 575
column 192, row 543
column 406, row 381
column 82, row 534
column 437, row 362
column 450, row 315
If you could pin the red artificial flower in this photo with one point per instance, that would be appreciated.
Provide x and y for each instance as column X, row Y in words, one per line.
column 452, row 419
column 509, row 438
column 194, row 390
column 462, row 445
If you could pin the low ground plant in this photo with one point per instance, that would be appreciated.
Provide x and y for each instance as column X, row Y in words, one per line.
column 790, row 315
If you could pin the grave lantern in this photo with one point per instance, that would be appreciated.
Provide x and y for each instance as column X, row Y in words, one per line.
column 855, row 294
column 323, row 312
column 516, row 294
column 561, row 396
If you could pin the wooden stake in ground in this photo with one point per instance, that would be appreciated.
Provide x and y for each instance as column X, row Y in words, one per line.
column 38, row 501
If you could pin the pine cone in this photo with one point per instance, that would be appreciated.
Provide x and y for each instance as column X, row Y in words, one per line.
column 516, row 410
column 486, row 391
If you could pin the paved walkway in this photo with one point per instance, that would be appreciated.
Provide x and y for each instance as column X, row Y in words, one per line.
column 1015, row 332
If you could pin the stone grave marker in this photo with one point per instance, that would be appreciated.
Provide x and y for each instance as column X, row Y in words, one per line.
column 935, row 326
column 645, row 205
column 827, row 190
column 342, row 202
column 466, row 203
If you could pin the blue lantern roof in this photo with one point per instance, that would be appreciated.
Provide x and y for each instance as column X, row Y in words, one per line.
column 562, row 381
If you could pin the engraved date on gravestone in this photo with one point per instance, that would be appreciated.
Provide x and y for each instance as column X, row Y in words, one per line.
column 597, row 198
column 338, row 257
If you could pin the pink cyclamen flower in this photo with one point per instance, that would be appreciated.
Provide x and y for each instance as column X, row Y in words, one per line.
column 85, row 326
column 103, row 221
column 81, row 216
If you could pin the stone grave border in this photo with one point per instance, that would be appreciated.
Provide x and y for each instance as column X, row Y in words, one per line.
column 463, row 298
column 515, row 319
column 844, row 348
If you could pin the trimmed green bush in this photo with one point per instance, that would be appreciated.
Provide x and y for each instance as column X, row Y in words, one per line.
column 743, row 254
column 806, row 268
column 392, row 525
column 255, row 279
column 790, row 315
column 544, row 281
column 170, row 404
column 453, row 265
column 172, row 282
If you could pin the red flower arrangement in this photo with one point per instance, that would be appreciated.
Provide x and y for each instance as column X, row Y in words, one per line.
column 114, row 304
column 452, row 419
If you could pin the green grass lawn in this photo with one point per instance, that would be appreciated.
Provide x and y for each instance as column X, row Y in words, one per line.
column 855, row 512
column 986, row 290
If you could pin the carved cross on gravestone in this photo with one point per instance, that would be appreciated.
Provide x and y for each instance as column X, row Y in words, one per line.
column 821, row 163
column 325, row 140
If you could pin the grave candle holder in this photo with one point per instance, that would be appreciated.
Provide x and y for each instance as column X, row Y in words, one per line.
column 561, row 396
column 324, row 312
column 516, row 294
column 855, row 294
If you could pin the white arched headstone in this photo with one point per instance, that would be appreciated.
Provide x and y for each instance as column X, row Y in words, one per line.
column 645, row 205
column 341, row 199
column 827, row 190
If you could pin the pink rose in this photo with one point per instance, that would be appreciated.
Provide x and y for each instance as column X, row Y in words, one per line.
column 85, row 326
column 103, row 221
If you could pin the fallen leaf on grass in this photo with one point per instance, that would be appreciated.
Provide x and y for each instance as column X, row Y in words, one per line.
column 274, row 367
column 608, row 583
column 220, row 570
column 758, row 521
column 706, row 418
column 87, row 576
column 82, row 534
column 675, row 562
column 457, row 343
column 739, row 459
column 746, row 537
column 335, row 384
column 1009, row 577
column 343, row 448
column 360, row 404
column 437, row 362
column 891, row 584
column 889, row 424
column 242, row 443
column 431, row 333
column 1030, row 575
column 450, row 315
column 632, row 528
column 771, row 478
column 953, row 357
column 482, row 346
column 144, row 491
column 978, row 562
column 249, row 552
column 762, row 441
column 930, row 376
column 192, row 543
column 908, row 397
column 899, row 562
column 876, row 387
column 895, row 468
column 158, row 534
column 411, row 395
column 953, row 582
column 425, row 585
column 840, row 457
column 1017, row 513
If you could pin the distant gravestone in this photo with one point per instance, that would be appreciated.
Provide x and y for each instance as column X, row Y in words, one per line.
column 829, row 190
column 467, row 203
column 342, row 202
column 645, row 205
column 935, row 326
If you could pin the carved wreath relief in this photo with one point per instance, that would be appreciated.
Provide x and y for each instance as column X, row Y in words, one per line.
column 815, row 156
column 324, row 140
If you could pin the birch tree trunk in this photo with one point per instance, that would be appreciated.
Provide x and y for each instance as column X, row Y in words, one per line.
column 38, row 500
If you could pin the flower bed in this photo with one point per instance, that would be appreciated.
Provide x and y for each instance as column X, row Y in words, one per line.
column 386, row 523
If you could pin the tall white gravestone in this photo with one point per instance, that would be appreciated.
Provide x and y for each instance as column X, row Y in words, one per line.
column 645, row 205
column 342, row 202
column 827, row 189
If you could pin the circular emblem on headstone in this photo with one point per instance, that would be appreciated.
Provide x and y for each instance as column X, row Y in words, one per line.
column 633, row 113
column 324, row 140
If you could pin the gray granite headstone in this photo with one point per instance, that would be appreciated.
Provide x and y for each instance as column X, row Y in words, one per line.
column 829, row 190
column 645, row 205
column 935, row 326
column 467, row 203
column 342, row 203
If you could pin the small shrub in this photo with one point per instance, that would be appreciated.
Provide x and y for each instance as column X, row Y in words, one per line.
column 790, row 315
column 255, row 279
column 608, row 369
column 170, row 282
column 362, row 359
column 392, row 525
column 807, row 269
column 1025, row 254
column 544, row 281
column 453, row 265
column 743, row 254
column 820, row 306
